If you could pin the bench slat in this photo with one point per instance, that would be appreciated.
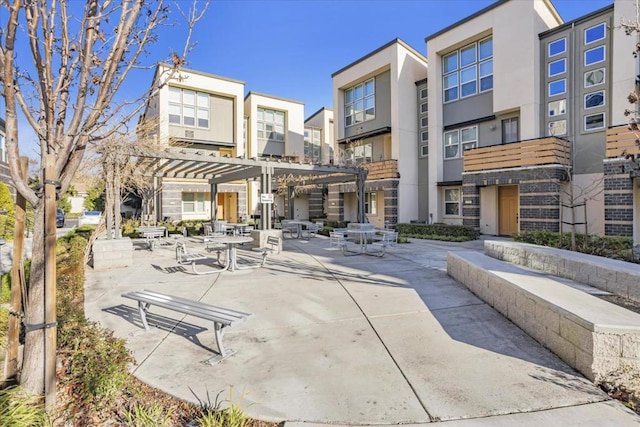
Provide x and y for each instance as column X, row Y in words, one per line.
column 190, row 307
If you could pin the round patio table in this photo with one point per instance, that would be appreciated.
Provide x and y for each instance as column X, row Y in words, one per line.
column 232, row 242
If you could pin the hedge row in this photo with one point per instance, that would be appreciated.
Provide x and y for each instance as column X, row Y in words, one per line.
column 448, row 232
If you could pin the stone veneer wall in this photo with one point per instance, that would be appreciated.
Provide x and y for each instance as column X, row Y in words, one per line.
column 172, row 196
column 316, row 209
column 389, row 187
column 618, row 196
column 539, row 191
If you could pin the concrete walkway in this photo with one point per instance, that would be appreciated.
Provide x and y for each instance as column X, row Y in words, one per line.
column 348, row 340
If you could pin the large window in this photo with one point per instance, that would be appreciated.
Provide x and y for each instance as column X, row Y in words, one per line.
column 188, row 108
column 453, row 140
column 312, row 144
column 468, row 71
column 557, row 67
column 557, row 47
column 270, row 125
column 360, row 103
column 193, row 202
column 359, row 154
column 594, row 34
column 452, row 201
column 593, row 56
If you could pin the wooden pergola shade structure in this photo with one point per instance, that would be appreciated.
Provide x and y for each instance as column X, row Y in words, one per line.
column 199, row 164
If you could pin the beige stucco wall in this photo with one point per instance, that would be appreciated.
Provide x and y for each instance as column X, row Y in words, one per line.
column 587, row 188
column 324, row 121
column 625, row 66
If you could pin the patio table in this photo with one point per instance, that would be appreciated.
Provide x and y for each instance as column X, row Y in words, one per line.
column 363, row 241
column 232, row 242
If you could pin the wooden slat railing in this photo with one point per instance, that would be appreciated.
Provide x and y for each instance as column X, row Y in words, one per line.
column 382, row 170
column 621, row 141
column 535, row 152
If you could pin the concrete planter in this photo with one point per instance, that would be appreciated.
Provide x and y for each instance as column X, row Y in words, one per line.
column 114, row 253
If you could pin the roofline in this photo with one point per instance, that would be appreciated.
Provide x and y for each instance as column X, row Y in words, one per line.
column 576, row 21
column 381, row 48
column 317, row 112
column 271, row 96
column 201, row 73
column 498, row 3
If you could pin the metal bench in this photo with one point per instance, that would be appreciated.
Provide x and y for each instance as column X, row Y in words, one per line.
column 184, row 257
column 152, row 234
column 272, row 245
column 221, row 317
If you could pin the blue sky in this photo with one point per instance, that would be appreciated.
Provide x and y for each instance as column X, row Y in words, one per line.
column 290, row 48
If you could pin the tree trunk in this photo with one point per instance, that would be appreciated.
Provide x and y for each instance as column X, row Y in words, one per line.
column 108, row 205
column 32, row 375
column 117, row 198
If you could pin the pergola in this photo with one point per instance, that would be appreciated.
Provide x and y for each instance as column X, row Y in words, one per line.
column 190, row 163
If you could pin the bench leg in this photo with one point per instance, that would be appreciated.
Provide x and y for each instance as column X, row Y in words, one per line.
column 143, row 307
column 222, row 353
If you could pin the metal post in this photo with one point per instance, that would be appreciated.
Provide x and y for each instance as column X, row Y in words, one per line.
column 360, row 180
column 50, row 281
column 214, row 202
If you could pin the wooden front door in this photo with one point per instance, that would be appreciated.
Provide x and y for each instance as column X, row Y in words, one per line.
column 508, row 210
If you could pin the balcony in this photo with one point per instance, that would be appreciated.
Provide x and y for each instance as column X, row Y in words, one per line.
column 533, row 152
column 621, row 141
column 382, row 170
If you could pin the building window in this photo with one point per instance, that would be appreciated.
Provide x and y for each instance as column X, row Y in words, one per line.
column 360, row 103
column 594, row 77
column 270, row 125
column 467, row 137
column 423, row 93
column 473, row 73
column 188, row 108
column 558, row 87
column 595, row 99
column 424, row 122
column 594, row 121
column 193, row 202
column 593, row 56
column 424, row 136
column 452, row 201
column 557, row 47
column 510, row 130
column 557, row 67
column 594, row 34
column 557, row 128
column 424, row 150
column 424, row 107
column 557, row 107
column 312, row 144
column 371, row 203
column 359, row 154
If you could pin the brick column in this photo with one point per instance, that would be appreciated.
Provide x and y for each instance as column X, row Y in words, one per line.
column 618, row 197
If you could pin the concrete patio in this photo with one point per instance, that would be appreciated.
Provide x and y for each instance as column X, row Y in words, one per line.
column 348, row 341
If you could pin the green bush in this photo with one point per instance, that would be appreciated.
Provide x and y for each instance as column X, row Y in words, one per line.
column 7, row 213
column 453, row 233
column 615, row 247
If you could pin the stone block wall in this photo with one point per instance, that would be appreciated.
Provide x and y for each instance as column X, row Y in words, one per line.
column 114, row 253
column 532, row 303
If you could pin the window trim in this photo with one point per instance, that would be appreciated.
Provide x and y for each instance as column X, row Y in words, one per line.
column 423, row 134
column 593, row 93
column 424, row 91
column 457, row 144
column 445, row 202
column 422, row 150
column 459, row 69
column 559, row 114
column 196, row 107
column 422, row 123
column 273, row 123
column 604, row 55
column 604, row 33
column 564, row 69
column 554, row 121
column 564, row 50
column 195, row 202
column 584, row 121
column 559, row 93
column 371, row 203
column 604, row 77
column 460, row 144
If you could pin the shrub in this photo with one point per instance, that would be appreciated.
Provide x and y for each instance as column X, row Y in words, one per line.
column 615, row 247
column 454, row 233
column 149, row 416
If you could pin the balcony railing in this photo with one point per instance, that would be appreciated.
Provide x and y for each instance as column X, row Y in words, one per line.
column 382, row 170
column 621, row 141
column 534, row 152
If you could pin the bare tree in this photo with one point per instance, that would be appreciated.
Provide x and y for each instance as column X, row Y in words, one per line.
column 79, row 55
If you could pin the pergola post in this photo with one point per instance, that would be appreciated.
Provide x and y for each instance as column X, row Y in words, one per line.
column 214, row 201
column 265, row 188
column 360, row 193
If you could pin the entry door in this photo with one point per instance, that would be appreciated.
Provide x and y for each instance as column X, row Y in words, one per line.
column 508, row 210
column 301, row 207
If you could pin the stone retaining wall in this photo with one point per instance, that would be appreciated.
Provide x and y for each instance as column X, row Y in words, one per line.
column 593, row 336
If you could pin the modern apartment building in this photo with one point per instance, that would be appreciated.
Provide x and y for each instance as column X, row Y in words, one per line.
column 202, row 113
column 376, row 127
column 520, row 106
column 319, row 143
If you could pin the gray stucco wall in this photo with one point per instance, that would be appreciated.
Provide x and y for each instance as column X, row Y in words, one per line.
column 471, row 108
column 221, row 123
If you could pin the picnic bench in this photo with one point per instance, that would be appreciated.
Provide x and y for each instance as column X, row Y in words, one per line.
column 221, row 317
column 152, row 234
column 272, row 245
